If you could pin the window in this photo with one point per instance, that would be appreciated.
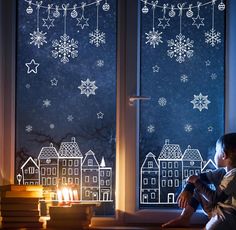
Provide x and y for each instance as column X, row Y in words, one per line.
column 64, row 162
column 170, row 173
column 153, row 195
column 163, row 165
column 70, row 163
column 108, row 182
column 63, row 171
column 150, row 164
column 70, row 171
column 170, row 165
column 102, row 173
column 176, row 173
column 42, row 171
column 163, row 183
column 153, row 181
column 86, row 178
column 102, row 182
column 108, row 173
column 49, row 171
column 31, row 170
column 164, row 173
column 90, row 162
column 77, row 181
column 54, row 171
column 175, row 165
column 76, row 171
column 145, row 181
column 95, row 179
column 76, row 162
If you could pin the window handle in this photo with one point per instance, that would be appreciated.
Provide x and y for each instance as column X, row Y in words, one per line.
column 132, row 99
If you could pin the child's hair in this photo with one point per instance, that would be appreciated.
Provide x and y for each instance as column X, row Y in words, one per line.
column 228, row 146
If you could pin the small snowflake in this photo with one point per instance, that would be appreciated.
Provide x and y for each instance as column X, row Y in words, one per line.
column 208, row 63
column 162, row 101
column 100, row 63
column 46, row 103
column 54, row 82
column 153, row 38
column 212, row 37
column 184, row 78
column 151, row 129
column 38, row 38
column 213, row 76
column 65, row 48
column 51, row 126
column 28, row 128
column 200, row 102
column 188, row 128
column 97, row 38
column 155, row 69
column 180, row 48
column 88, row 87
column 70, row 118
column 27, row 86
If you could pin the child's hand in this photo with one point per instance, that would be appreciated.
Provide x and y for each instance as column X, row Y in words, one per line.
column 184, row 198
column 192, row 179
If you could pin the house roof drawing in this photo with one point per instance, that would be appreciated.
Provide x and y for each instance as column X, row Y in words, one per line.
column 48, row 152
column 30, row 159
column 90, row 154
column 210, row 165
column 170, row 152
column 192, row 155
column 102, row 164
column 69, row 150
column 150, row 157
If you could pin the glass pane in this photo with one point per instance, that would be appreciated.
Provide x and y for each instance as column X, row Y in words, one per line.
column 66, row 97
column 182, row 70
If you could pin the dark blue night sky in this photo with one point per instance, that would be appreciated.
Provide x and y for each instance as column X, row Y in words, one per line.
column 172, row 85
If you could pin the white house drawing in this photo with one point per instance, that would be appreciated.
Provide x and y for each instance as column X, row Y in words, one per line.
column 161, row 180
column 68, row 166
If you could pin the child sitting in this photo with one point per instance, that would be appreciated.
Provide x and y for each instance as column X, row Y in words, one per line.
column 219, row 205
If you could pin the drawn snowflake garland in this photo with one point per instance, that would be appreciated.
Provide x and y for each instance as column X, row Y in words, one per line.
column 212, row 37
column 200, row 102
column 153, row 38
column 180, row 48
column 38, row 38
column 65, row 48
column 88, row 87
column 97, row 38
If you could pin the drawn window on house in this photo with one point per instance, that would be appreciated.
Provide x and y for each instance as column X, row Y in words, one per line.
column 76, row 171
column 197, row 172
column 150, row 164
column 87, row 193
column 86, row 178
column 95, row 179
column 70, row 180
column 164, row 173
column 31, row 170
column 70, row 171
column 42, row 171
column 176, row 183
column 63, row 171
column 145, row 181
column 65, row 93
column 163, row 183
column 108, row 173
column 49, row 180
column 26, row 171
column 54, row 171
column 102, row 173
column 153, row 195
column 54, row 181
column 169, row 124
column 90, row 162
column 77, row 181
column 170, row 173
column 153, row 181
column 102, row 182
column 63, row 180
column 49, row 171
column 107, row 182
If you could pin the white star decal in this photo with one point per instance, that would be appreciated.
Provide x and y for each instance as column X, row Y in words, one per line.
column 100, row 115
column 32, row 66
column 198, row 21
column 155, row 69
column 164, row 22
column 200, row 102
column 54, row 82
column 48, row 22
column 82, row 22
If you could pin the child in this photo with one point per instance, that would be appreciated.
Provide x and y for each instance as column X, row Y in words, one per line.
column 220, row 205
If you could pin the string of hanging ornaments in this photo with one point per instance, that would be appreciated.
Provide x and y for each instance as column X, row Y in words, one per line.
column 65, row 47
column 181, row 47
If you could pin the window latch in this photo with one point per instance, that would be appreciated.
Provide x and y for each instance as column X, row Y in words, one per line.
column 132, row 99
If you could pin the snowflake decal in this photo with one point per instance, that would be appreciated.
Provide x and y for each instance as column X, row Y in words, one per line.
column 51, row 126
column 28, row 128
column 151, row 129
column 65, row 48
column 97, row 38
column 184, row 78
column 188, row 128
column 70, row 118
column 200, row 102
column 153, row 38
column 212, row 37
column 38, row 38
column 210, row 129
column 100, row 63
column 46, row 103
column 162, row 101
column 88, row 87
column 180, row 48
column 213, row 76
column 100, row 115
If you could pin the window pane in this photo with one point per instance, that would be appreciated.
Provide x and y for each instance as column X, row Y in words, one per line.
column 182, row 70
column 66, row 96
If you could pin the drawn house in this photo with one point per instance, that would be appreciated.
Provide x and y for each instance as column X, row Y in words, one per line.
column 90, row 177
column 149, row 189
column 192, row 163
column 209, row 166
column 170, row 177
column 70, row 160
column 30, row 172
column 105, row 182
column 48, row 165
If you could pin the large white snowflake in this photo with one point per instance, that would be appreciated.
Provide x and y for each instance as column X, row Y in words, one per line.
column 65, row 48
column 180, row 48
column 38, row 38
column 212, row 37
column 153, row 38
column 88, row 87
column 200, row 102
column 97, row 38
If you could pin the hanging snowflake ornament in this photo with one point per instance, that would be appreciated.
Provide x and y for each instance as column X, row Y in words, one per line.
column 65, row 48
column 74, row 13
column 48, row 22
column 164, row 22
column 212, row 37
column 153, row 38
column 200, row 102
column 88, row 87
column 198, row 21
column 97, row 38
column 180, row 48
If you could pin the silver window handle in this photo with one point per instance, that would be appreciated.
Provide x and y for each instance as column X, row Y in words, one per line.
column 132, row 99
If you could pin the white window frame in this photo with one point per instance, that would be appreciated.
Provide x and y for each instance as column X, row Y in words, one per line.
column 126, row 157
column 90, row 162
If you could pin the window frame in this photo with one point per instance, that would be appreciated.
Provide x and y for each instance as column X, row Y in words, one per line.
column 127, row 61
